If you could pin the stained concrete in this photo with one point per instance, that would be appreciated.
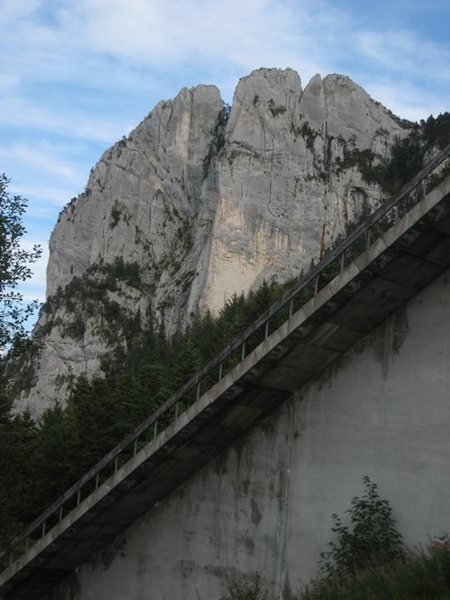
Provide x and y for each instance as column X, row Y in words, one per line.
column 264, row 504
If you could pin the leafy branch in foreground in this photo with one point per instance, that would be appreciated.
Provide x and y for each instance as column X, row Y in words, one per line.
column 14, row 265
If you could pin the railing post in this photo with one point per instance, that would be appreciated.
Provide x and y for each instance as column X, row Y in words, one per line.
column 291, row 307
column 342, row 261
column 43, row 529
column 155, row 429
column 367, row 239
column 316, row 285
column 396, row 214
column 220, row 371
column 78, row 497
column 198, row 389
column 176, row 410
column 60, row 515
column 243, row 351
column 266, row 329
column 116, row 464
column 96, row 481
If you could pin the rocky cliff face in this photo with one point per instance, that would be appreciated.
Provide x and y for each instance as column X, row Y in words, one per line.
column 201, row 201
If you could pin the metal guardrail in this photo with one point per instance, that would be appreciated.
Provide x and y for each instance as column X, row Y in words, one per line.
column 291, row 301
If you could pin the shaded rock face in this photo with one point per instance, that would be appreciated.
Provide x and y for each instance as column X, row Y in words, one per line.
column 200, row 202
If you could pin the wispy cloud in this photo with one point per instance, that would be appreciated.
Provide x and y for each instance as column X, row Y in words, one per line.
column 162, row 34
column 19, row 112
column 407, row 53
column 405, row 98
column 39, row 160
column 206, row 32
column 52, row 196
column 111, row 46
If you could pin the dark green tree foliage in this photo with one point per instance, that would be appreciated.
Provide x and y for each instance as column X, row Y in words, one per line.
column 45, row 459
column 437, row 130
column 17, row 435
column 18, row 439
column 407, row 154
column 406, row 160
column 14, row 265
column 423, row 575
column 371, row 537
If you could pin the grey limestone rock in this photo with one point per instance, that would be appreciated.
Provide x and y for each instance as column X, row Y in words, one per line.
column 198, row 203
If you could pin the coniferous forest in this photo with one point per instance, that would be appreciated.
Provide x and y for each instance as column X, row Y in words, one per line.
column 42, row 459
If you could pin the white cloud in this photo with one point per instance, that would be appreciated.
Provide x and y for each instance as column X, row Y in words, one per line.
column 174, row 30
column 405, row 98
column 8, row 81
column 407, row 53
column 19, row 112
column 53, row 196
column 14, row 10
column 86, row 34
column 41, row 160
column 247, row 34
column 112, row 46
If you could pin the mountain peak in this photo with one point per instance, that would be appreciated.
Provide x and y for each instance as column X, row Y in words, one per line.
column 198, row 204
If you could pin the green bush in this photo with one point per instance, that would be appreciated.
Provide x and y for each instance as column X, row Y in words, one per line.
column 246, row 588
column 370, row 539
column 421, row 575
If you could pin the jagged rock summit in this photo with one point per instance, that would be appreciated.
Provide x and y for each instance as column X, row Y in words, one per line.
column 201, row 201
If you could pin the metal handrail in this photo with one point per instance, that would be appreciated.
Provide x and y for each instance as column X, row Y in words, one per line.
column 314, row 277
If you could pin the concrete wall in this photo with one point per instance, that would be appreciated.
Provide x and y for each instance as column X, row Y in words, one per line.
column 265, row 504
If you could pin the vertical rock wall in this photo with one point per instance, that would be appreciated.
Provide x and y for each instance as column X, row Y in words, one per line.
column 199, row 203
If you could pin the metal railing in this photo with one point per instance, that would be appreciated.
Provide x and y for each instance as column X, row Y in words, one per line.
column 291, row 301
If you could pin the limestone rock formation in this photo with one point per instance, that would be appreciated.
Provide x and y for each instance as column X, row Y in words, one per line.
column 198, row 202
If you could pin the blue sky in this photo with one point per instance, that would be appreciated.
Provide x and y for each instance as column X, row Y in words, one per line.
column 76, row 75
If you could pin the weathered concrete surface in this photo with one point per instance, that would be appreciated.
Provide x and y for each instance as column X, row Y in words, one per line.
column 265, row 504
